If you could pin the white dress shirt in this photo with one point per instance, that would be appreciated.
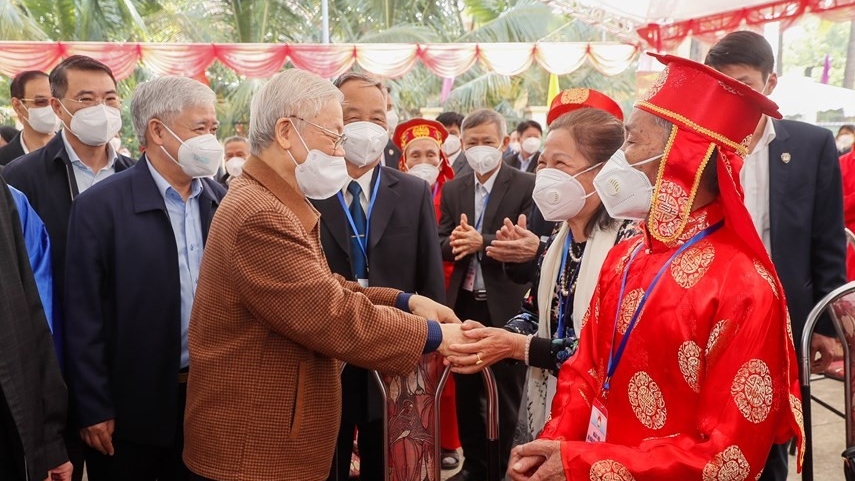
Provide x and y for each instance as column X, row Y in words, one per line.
column 365, row 183
column 83, row 174
column 755, row 182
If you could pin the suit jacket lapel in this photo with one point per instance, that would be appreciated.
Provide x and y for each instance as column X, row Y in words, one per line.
column 384, row 206
column 500, row 188
column 779, row 172
column 467, row 200
column 207, row 207
column 333, row 218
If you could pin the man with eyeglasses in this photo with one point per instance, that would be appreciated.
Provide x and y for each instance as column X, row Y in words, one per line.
column 84, row 97
column 379, row 229
column 30, row 93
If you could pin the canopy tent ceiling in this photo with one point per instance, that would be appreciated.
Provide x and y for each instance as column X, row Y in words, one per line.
column 256, row 60
column 663, row 24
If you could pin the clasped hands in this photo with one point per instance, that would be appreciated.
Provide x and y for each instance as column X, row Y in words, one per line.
column 468, row 347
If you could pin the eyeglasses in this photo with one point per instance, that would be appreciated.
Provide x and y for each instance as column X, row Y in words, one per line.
column 38, row 102
column 87, row 101
column 339, row 139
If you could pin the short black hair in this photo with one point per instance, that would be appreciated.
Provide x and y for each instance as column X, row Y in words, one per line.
column 59, row 74
column 450, row 119
column 527, row 124
column 742, row 48
column 19, row 83
column 8, row 133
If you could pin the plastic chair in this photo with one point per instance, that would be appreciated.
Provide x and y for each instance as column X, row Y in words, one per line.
column 434, row 466
column 842, row 313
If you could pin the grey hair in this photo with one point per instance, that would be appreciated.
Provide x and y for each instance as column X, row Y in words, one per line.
column 292, row 93
column 485, row 116
column 164, row 98
column 665, row 124
column 362, row 77
column 235, row 138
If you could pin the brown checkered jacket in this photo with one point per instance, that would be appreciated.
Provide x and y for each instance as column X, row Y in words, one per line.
column 269, row 321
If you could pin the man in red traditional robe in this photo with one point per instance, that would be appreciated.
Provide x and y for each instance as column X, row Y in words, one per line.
column 686, row 367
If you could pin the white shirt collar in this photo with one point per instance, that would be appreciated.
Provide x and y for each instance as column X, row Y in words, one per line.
column 74, row 158
column 364, row 181
column 766, row 137
column 488, row 184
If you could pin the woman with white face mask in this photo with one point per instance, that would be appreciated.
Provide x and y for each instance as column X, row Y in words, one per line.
column 545, row 333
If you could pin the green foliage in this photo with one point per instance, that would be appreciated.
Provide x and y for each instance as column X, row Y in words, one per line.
column 298, row 21
column 817, row 39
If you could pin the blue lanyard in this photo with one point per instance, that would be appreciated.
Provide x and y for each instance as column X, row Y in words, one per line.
column 362, row 241
column 435, row 190
column 483, row 210
column 563, row 302
column 615, row 356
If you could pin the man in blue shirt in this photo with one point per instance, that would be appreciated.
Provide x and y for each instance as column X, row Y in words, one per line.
column 134, row 250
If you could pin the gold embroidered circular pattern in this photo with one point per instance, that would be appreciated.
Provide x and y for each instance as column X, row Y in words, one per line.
column 796, row 408
column 670, row 202
column 728, row 465
column 657, row 85
column 752, row 390
column 689, row 267
column 715, row 334
column 765, row 274
column 647, row 401
column 574, row 96
column 790, row 328
column 610, row 470
column 689, row 357
column 627, row 309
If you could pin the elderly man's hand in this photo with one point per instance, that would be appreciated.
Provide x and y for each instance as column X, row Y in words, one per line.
column 430, row 309
column 100, row 437
column 827, row 348
column 514, row 243
column 61, row 472
column 465, row 240
column 488, row 345
column 539, row 460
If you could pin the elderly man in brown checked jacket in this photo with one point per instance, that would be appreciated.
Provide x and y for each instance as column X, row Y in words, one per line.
column 270, row 320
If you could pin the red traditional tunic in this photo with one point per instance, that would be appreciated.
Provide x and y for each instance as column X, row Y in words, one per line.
column 847, row 173
column 708, row 380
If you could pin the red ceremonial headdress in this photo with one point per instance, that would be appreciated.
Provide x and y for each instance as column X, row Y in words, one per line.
column 709, row 111
column 414, row 129
column 574, row 99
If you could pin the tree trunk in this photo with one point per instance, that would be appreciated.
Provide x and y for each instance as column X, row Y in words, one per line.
column 849, row 72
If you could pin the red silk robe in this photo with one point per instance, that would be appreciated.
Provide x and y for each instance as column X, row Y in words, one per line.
column 847, row 174
column 708, row 380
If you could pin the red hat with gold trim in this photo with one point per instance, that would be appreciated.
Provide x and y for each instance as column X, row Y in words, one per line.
column 709, row 111
column 580, row 98
column 418, row 128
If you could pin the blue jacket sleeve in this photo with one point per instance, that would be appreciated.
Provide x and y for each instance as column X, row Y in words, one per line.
column 38, row 249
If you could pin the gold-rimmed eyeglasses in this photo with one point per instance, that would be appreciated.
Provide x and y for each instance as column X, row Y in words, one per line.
column 339, row 139
column 87, row 101
column 38, row 101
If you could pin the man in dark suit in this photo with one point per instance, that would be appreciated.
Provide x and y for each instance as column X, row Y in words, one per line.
column 393, row 214
column 135, row 246
column 30, row 93
column 530, row 133
column 473, row 208
column 453, row 146
column 33, row 398
column 793, row 192
column 84, row 98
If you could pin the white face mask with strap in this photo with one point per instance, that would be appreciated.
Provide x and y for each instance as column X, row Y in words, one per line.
column 198, row 156
column 625, row 191
column 558, row 195
column 321, row 175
